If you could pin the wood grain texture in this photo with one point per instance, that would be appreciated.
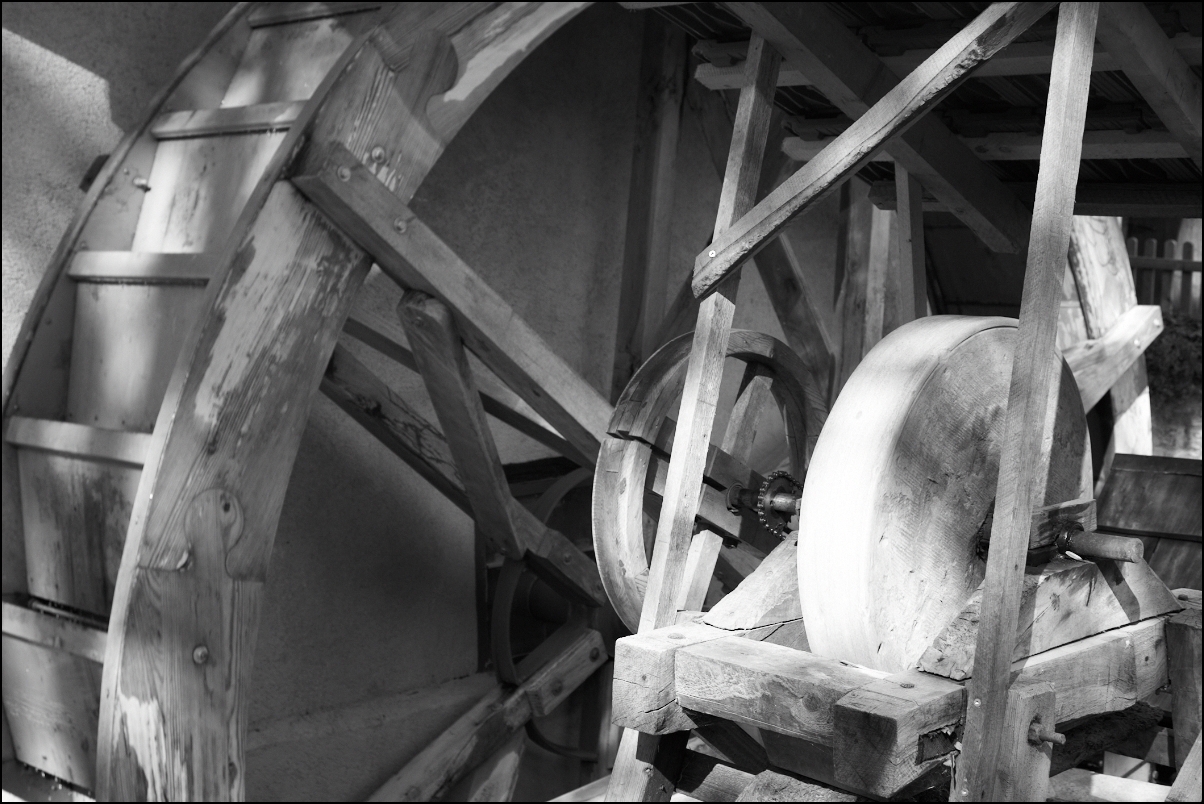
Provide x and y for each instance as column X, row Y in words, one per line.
column 1098, row 364
column 854, row 79
column 495, row 779
column 1063, row 601
column 1022, row 485
column 1183, row 656
column 1078, row 784
column 905, row 470
column 1131, row 34
column 1187, row 783
column 768, row 596
column 1023, row 772
column 912, row 263
column 774, row 786
column 1133, row 732
column 229, row 120
column 132, row 267
column 59, row 633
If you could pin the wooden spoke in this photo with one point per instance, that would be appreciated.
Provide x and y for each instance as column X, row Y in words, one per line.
column 1024, row 454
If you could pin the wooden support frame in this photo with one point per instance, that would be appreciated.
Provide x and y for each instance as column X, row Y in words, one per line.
column 1029, row 401
column 814, row 41
column 1136, row 41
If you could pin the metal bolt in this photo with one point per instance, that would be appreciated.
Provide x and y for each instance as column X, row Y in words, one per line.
column 593, row 655
column 978, row 701
column 142, row 184
column 906, row 685
column 647, row 771
column 676, row 636
column 344, row 173
column 200, row 654
column 711, row 254
column 378, row 154
column 400, row 225
column 1039, row 733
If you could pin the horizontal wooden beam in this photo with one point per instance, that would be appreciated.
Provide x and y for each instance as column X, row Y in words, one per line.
column 59, row 633
column 1021, row 146
column 415, row 257
column 894, row 113
column 1097, row 364
column 281, row 13
column 1018, row 58
column 79, row 440
column 1116, row 200
column 849, row 74
column 232, row 120
column 140, row 268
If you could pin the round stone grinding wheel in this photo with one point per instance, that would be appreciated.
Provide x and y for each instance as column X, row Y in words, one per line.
column 902, row 478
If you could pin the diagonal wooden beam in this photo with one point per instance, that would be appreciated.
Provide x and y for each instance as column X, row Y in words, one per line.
column 896, row 111
column 506, row 524
column 415, row 257
column 813, row 40
column 1136, row 41
column 1030, row 403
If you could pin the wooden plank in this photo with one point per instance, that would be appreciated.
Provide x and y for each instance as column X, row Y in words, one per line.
column 350, row 385
column 1065, row 601
column 1183, row 655
column 92, row 443
column 766, row 597
column 912, row 264
column 733, row 742
column 1077, row 784
column 1024, row 455
column 1133, row 732
column 1141, row 48
column 126, row 342
column 132, row 267
column 878, row 727
column 1023, row 774
column 1010, row 146
column 877, row 270
column 417, row 258
column 1099, row 363
column 893, row 114
column 774, row 786
column 645, row 270
column 1187, row 783
column 856, row 230
column 59, row 633
column 495, row 779
column 499, row 402
column 707, row 778
column 815, row 41
column 280, row 13
column 489, row 725
column 1018, row 58
column 228, row 120
column 1153, row 496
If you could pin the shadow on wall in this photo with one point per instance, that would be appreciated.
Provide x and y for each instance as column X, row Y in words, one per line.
column 135, row 47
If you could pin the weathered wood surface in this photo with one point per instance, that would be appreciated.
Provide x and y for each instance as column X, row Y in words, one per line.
column 1077, row 784
column 489, row 725
column 709, row 779
column 233, row 417
column 1160, row 500
column 60, row 633
column 1133, row 732
column 132, row 267
column 849, row 74
column 1023, row 772
column 1183, row 656
column 1061, row 602
column 1187, row 783
column 912, row 261
column 231, row 120
column 774, row 786
column 1138, row 44
column 766, row 597
column 908, row 457
column 1025, row 454
column 1099, row 364
column 496, row 778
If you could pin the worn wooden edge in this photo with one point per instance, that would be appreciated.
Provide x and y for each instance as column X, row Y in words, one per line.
column 79, row 440
column 280, row 13
column 140, row 268
column 59, row 633
column 1098, row 363
column 227, row 120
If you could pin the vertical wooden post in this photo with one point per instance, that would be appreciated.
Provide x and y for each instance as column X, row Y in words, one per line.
column 876, row 277
column 650, row 200
column 913, row 277
column 645, row 765
column 1183, row 656
column 1023, row 772
column 1034, row 370
column 853, row 254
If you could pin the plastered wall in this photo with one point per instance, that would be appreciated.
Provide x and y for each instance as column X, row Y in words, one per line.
column 367, row 642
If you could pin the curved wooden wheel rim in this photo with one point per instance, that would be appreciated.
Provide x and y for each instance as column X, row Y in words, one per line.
column 885, row 556
column 626, row 455
column 173, row 716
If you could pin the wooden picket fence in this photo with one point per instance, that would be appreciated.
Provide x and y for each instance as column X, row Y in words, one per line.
column 1171, row 280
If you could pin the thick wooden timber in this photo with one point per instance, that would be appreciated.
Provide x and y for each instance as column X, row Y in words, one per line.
column 490, row 724
column 813, row 40
column 1025, row 454
column 1023, row 774
column 1183, row 653
column 1010, row 146
column 806, row 697
column 892, row 115
column 57, row 632
column 231, row 120
column 1188, row 782
column 79, row 440
column 1098, row 363
column 1136, row 41
column 1018, row 58
column 413, row 255
column 236, row 407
